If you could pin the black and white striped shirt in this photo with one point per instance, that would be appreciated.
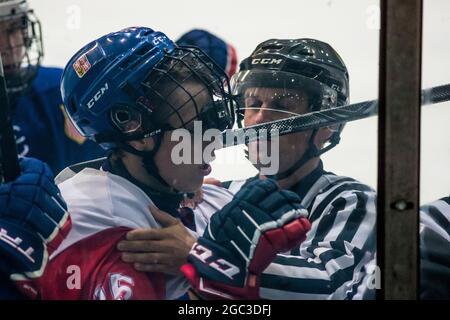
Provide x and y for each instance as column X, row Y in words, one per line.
column 436, row 216
column 435, row 250
column 330, row 263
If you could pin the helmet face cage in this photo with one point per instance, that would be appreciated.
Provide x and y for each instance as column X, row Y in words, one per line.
column 21, row 60
column 168, row 94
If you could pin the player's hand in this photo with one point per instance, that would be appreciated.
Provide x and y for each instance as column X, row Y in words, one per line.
column 158, row 250
column 243, row 238
column 33, row 222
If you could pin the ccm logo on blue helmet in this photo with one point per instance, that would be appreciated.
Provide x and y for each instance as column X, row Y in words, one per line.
column 266, row 61
column 157, row 40
column 97, row 95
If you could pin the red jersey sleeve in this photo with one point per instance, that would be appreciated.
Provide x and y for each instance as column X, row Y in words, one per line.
column 92, row 269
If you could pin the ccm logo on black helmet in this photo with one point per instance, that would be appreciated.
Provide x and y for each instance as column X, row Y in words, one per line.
column 266, row 61
column 97, row 95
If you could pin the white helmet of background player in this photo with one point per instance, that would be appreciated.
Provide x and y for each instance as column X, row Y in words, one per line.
column 20, row 45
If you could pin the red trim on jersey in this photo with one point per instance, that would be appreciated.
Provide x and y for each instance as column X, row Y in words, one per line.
column 92, row 269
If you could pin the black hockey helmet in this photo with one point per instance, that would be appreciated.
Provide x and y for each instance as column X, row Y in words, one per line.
column 308, row 65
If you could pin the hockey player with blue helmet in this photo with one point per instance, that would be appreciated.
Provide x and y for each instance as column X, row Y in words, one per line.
column 122, row 90
column 130, row 91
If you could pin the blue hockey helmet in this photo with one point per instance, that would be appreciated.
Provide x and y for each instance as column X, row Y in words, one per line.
column 109, row 87
column 20, row 46
column 223, row 53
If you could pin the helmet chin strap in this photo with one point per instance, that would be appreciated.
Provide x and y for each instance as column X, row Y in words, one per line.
column 148, row 161
column 311, row 152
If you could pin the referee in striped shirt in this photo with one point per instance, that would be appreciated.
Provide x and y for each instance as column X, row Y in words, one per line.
column 285, row 77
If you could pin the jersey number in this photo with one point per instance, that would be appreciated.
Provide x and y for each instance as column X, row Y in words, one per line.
column 119, row 287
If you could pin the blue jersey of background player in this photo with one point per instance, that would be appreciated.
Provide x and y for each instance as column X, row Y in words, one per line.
column 42, row 130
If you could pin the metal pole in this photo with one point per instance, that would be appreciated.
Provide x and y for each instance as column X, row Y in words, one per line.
column 399, row 148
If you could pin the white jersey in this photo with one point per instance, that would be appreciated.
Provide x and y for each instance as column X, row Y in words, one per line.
column 214, row 199
column 99, row 201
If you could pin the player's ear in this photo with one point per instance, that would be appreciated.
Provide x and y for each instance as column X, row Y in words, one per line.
column 322, row 136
